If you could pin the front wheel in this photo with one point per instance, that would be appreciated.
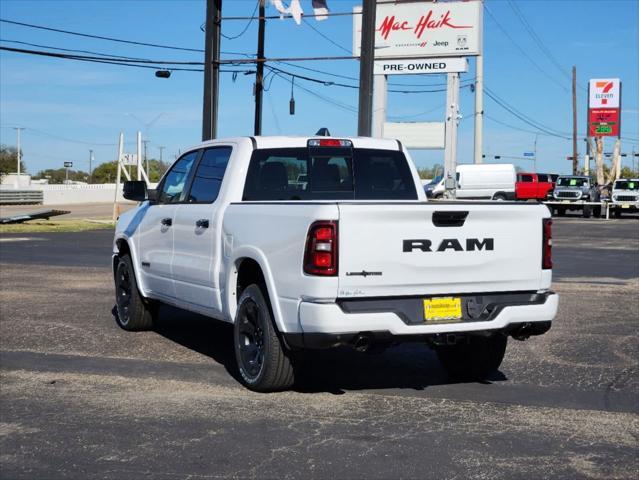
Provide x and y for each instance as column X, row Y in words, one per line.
column 587, row 211
column 134, row 312
column 261, row 360
column 474, row 358
column 499, row 197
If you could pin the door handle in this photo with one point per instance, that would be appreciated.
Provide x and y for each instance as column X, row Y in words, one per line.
column 202, row 223
column 167, row 222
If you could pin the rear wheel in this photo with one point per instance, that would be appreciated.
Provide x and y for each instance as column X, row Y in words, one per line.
column 263, row 364
column 587, row 211
column 596, row 212
column 500, row 197
column 134, row 312
column 561, row 211
column 474, row 357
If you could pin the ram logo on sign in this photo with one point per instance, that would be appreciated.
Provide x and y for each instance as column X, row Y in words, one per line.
column 423, row 29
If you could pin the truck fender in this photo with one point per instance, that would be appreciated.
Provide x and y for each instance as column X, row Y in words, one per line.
column 230, row 297
column 134, row 258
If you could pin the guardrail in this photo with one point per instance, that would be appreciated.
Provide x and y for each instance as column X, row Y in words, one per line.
column 17, row 197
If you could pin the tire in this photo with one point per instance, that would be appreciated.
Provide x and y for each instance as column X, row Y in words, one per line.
column 499, row 197
column 561, row 212
column 134, row 312
column 617, row 213
column 262, row 363
column 587, row 211
column 597, row 212
column 474, row 358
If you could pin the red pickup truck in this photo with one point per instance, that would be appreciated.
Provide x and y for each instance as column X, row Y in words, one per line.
column 533, row 186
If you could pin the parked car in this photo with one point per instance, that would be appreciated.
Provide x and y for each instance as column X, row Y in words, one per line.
column 576, row 192
column 357, row 257
column 533, row 186
column 435, row 188
column 491, row 181
column 625, row 196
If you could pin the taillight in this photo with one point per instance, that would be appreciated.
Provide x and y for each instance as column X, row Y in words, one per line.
column 320, row 255
column 546, row 252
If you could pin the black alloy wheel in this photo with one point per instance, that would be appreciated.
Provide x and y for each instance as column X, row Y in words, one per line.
column 250, row 339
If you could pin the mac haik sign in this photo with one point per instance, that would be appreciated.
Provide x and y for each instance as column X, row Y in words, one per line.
column 604, row 107
column 423, row 29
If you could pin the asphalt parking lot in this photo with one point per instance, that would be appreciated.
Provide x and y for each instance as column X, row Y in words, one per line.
column 81, row 398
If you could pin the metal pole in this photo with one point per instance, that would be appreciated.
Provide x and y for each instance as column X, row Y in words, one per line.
column 259, row 77
column 535, row 158
column 19, row 151
column 479, row 108
column 146, row 160
column 366, row 62
column 90, row 164
column 211, row 68
column 380, row 96
column 139, row 156
column 452, row 119
column 161, row 148
column 575, row 159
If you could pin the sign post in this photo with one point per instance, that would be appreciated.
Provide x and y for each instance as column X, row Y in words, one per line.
column 67, row 166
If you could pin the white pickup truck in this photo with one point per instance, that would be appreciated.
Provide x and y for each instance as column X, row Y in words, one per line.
column 355, row 255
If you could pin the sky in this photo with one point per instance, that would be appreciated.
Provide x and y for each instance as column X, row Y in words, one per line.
column 69, row 107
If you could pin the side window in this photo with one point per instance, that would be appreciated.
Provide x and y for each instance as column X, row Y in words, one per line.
column 172, row 188
column 527, row 178
column 543, row 178
column 209, row 174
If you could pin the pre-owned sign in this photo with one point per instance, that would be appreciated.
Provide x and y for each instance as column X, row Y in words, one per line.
column 424, row 29
column 430, row 65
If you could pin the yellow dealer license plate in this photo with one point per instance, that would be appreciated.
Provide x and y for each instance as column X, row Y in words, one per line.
column 443, row 309
column 625, row 206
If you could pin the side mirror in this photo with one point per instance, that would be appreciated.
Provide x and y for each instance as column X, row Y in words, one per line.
column 135, row 190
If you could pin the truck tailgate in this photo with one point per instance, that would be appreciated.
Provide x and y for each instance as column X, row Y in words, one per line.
column 402, row 249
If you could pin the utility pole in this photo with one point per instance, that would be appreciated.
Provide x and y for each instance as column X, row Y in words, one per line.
column 161, row 148
column 479, row 107
column 18, row 130
column 366, row 62
column 452, row 121
column 146, row 160
column 259, row 77
column 575, row 159
column 535, row 157
column 211, row 68
column 90, row 165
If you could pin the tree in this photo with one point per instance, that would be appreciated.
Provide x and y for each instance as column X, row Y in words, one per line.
column 58, row 175
column 425, row 172
column 8, row 160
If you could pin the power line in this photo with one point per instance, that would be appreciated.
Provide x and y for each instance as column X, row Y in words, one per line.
column 100, row 37
column 113, row 39
column 69, row 49
column 523, row 117
column 325, row 37
column 248, row 24
column 523, row 52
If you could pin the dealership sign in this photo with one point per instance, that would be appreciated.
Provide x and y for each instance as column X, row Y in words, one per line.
column 604, row 107
column 424, row 29
column 430, row 65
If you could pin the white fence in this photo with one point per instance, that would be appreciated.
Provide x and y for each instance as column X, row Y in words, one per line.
column 69, row 194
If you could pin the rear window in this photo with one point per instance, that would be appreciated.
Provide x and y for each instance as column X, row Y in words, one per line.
column 330, row 174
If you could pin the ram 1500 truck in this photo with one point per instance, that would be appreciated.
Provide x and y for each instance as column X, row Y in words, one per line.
column 353, row 256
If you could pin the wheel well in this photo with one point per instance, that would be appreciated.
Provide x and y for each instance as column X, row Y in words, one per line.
column 248, row 273
column 123, row 249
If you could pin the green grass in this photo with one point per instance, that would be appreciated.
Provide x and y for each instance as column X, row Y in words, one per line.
column 37, row 226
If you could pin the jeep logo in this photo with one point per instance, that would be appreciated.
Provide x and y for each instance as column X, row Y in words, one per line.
column 472, row 244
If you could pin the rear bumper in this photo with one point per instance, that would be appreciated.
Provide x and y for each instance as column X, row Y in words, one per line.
column 327, row 325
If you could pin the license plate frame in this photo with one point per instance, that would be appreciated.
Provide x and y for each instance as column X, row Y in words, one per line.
column 442, row 309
